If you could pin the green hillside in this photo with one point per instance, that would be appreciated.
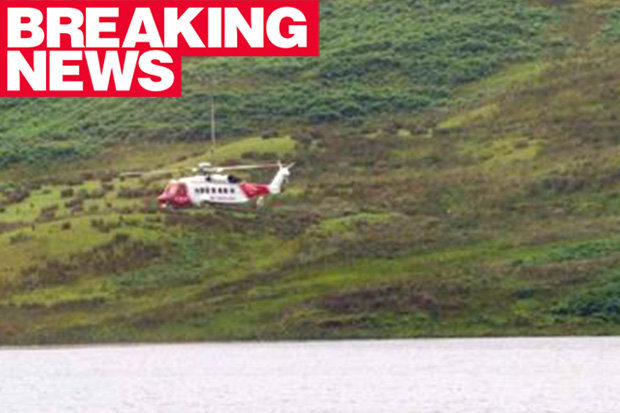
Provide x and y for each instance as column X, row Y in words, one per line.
column 456, row 175
column 378, row 57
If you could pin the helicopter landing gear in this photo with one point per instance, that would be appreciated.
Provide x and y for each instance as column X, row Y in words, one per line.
column 260, row 201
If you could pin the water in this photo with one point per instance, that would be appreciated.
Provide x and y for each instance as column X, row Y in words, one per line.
column 580, row 375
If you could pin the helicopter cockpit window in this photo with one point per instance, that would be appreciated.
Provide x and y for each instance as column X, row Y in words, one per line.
column 233, row 179
column 172, row 189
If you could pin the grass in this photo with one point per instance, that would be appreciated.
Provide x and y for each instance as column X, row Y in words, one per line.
column 511, row 77
column 252, row 147
column 470, row 117
column 464, row 184
column 377, row 58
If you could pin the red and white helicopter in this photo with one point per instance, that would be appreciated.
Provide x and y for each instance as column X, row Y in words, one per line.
column 209, row 185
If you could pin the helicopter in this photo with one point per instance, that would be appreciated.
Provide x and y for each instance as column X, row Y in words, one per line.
column 210, row 185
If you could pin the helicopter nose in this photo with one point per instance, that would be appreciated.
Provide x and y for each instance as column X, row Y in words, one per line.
column 163, row 201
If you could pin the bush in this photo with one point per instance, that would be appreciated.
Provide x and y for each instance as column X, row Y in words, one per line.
column 48, row 213
column 67, row 193
column 602, row 302
column 103, row 225
column 96, row 194
column 75, row 204
column 131, row 193
column 16, row 196
column 20, row 237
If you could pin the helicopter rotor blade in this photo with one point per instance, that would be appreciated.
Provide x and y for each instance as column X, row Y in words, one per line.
column 140, row 174
column 203, row 168
column 240, row 167
column 132, row 174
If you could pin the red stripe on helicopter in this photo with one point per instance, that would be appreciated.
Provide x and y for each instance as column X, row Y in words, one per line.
column 254, row 190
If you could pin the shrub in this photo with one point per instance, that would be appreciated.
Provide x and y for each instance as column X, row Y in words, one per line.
column 602, row 302
column 129, row 193
column 20, row 237
column 107, row 187
column 75, row 203
column 67, row 193
column 16, row 196
column 48, row 213
column 96, row 194
column 103, row 225
column 120, row 238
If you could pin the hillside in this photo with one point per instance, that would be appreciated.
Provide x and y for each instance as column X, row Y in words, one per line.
column 473, row 190
column 378, row 57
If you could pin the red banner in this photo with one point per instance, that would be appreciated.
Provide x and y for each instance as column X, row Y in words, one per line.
column 135, row 48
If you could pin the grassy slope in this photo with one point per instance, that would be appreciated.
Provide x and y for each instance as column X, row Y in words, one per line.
column 395, row 56
column 494, row 213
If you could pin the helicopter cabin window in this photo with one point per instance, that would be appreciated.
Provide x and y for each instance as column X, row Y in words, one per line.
column 225, row 190
column 232, row 190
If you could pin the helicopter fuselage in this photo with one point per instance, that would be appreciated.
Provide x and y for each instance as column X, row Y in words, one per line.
column 199, row 190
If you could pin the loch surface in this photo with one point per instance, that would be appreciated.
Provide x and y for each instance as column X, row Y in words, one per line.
column 573, row 375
